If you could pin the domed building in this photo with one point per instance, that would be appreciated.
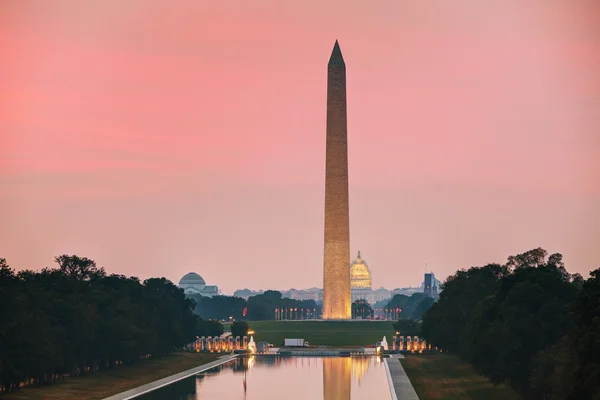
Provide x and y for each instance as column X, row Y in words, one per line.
column 360, row 283
column 360, row 286
column 192, row 283
column 360, row 274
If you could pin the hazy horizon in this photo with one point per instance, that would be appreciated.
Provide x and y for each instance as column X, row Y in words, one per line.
column 159, row 140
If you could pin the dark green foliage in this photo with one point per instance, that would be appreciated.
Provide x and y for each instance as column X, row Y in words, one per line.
column 211, row 327
column 443, row 324
column 571, row 368
column 528, row 313
column 270, row 295
column 423, row 306
column 75, row 320
column 262, row 307
column 239, row 328
column 407, row 327
column 584, row 343
column 409, row 305
column 361, row 309
column 219, row 307
column 381, row 305
column 528, row 323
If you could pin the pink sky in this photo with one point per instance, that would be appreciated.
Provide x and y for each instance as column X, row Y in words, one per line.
column 159, row 139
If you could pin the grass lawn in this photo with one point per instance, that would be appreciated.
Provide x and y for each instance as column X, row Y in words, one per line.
column 446, row 377
column 332, row 333
column 107, row 383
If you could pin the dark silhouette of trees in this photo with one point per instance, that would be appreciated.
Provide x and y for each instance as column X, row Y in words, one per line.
column 423, row 306
column 260, row 307
column 410, row 306
column 219, row 307
column 361, row 308
column 570, row 369
column 407, row 327
column 76, row 320
column 79, row 268
column 528, row 323
column 458, row 300
column 239, row 328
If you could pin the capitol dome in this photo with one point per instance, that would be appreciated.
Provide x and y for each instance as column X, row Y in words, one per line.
column 360, row 275
column 192, row 281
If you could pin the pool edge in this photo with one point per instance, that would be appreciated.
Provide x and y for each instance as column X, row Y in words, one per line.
column 152, row 386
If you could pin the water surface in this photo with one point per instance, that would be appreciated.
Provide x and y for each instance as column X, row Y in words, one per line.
column 287, row 378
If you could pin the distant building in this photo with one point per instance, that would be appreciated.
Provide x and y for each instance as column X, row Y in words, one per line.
column 381, row 294
column 360, row 283
column 360, row 286
column 430, row 285
column 315, row 294
column 360, row 274
column 408, row 291
column 192, row 283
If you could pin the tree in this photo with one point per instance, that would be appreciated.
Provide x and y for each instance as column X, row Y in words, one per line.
column 408, row 327
column 571, row 368
column 210, row 327
column 585, row 339
column 405, row 305
column 528, row 313
column 218, row 307
column 262, row 307
column 271, row 295
column 361, row 308
column 80, row 268
column 528, row 323
column 423, row 306
column 531, row 258
column 74, row 320
column 239, row 328
column 443, row 323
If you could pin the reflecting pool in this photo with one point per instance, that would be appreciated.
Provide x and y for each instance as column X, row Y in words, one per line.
column 288, row 378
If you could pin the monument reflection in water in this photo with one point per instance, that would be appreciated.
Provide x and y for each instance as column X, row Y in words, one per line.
column 289, row 378
column 336, row 378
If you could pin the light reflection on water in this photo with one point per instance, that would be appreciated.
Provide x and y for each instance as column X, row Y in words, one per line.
column 288, row 378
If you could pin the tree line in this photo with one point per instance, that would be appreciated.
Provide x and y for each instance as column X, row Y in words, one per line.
column 527, row 323
column 410, row 307
column 75, row 319
column 264, row 306
column 261, row 307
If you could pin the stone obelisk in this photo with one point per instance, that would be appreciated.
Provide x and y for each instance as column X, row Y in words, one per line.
column 336, row 263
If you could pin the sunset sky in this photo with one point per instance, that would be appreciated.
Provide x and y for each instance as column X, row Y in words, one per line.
column 161, row 137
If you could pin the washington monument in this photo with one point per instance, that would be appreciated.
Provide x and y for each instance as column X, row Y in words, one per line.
column 336, row 263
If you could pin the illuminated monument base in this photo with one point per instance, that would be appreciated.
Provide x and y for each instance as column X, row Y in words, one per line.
column 336, row 272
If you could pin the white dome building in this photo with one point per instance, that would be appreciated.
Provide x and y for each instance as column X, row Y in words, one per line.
column 360, row 274
column 192, row 283
column 360, row 283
